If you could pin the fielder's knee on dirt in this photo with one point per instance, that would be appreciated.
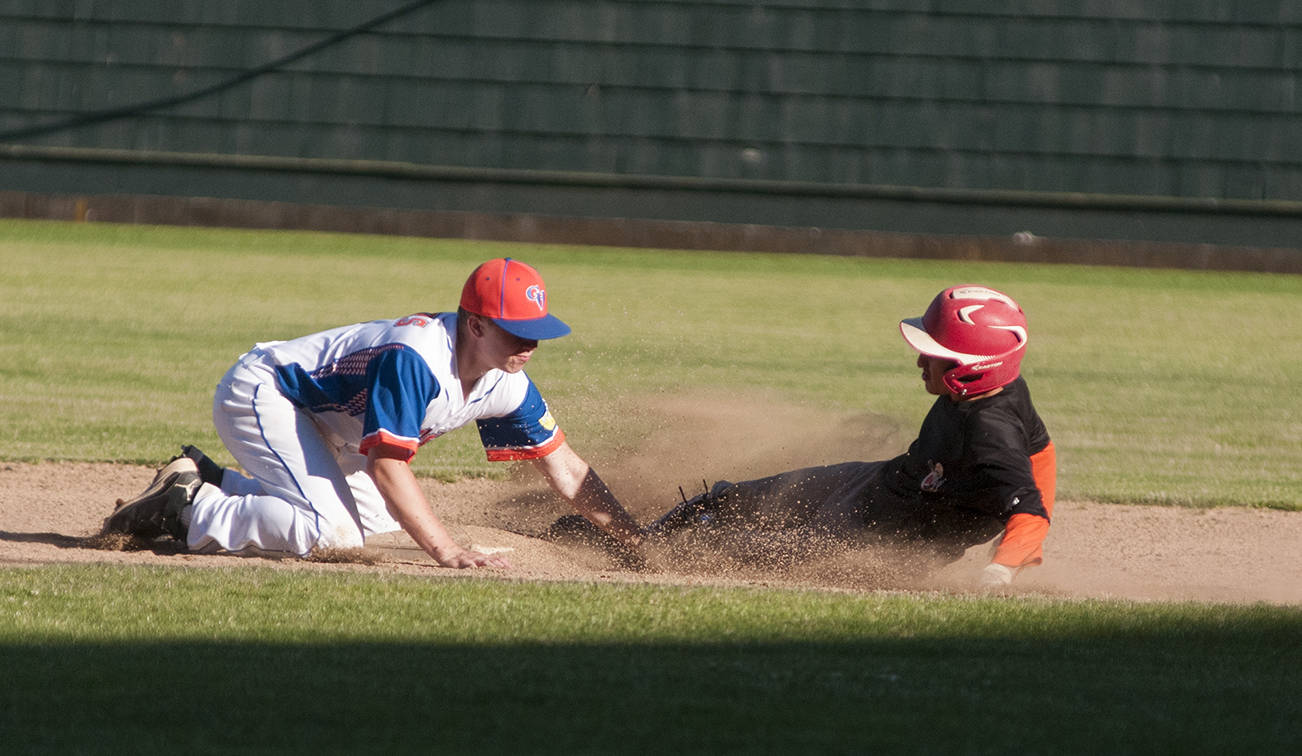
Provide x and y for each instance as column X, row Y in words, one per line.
column 265, row 523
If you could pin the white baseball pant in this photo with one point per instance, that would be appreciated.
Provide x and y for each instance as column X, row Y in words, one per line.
column 304, row 489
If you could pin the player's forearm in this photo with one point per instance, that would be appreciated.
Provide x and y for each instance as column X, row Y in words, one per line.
column 576, row 482
column 595, row 501
column 1022, row 542
column 406, row 501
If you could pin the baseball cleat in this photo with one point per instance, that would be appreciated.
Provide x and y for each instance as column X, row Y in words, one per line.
column 210, row 471
column 157, row 511
column 165, row 474
column 699, row 510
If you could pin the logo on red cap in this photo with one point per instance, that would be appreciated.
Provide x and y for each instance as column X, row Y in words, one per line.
column 538, row 296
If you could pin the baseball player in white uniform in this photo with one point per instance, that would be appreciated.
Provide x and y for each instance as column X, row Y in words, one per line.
column 325, row 425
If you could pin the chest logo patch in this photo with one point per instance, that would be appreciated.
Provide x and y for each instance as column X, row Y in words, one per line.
column 935, row 479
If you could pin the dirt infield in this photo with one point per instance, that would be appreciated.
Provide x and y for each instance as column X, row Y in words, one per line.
column 48, row 510
column 1094, row 550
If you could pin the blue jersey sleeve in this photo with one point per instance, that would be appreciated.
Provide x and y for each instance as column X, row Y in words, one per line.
column 529, row 432
column 400, row 387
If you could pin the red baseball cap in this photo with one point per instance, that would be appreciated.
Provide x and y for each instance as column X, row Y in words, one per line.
column 512, row 295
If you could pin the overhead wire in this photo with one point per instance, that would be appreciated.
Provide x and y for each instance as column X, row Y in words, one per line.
column 127, row 111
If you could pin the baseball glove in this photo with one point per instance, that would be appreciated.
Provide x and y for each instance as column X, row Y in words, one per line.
column 579, row 530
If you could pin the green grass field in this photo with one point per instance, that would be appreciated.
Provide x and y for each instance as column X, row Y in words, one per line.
column 1169, row 387
column 102, row 659
column 1163, row 387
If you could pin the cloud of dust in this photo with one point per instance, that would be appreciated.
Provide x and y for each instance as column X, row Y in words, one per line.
column 736, row 437
column 693, row 441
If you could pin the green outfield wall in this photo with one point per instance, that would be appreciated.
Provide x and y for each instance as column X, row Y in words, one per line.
column 1157, row 121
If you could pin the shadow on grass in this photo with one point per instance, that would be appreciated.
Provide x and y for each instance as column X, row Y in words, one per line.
column 921, row 696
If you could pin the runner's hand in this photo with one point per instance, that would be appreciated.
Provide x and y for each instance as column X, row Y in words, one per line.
column 995, row 575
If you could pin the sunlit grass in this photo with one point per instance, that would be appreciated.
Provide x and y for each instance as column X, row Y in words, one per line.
column 1158, row 386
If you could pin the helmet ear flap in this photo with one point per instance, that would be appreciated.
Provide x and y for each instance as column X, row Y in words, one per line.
column 954, row 380
column 986, row 375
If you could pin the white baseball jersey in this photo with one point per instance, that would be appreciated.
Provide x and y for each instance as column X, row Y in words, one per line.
column 299, row 416
column 394, row 383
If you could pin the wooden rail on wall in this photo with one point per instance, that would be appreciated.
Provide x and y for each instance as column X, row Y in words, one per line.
column 629, row 232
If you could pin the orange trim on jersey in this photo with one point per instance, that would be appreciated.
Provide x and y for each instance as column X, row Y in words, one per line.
column 1024, row 534
column 1044, row 468
column 528, row 452
column 389, row 440
column 1023, row 540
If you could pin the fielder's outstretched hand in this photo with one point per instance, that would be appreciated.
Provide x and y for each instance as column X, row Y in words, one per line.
column 575, row 528
column 466, row 558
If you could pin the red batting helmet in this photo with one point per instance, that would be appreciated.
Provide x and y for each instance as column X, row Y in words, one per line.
column 981, row 329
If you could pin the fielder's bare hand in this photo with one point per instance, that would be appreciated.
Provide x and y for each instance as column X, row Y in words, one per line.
column 463, row 558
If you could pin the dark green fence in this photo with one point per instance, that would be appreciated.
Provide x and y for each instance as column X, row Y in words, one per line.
column 1191, row 101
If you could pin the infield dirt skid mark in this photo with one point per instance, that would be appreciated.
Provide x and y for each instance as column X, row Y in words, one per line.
column 1093, row 550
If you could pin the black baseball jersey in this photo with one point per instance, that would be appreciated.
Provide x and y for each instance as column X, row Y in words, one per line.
column 975, row 455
